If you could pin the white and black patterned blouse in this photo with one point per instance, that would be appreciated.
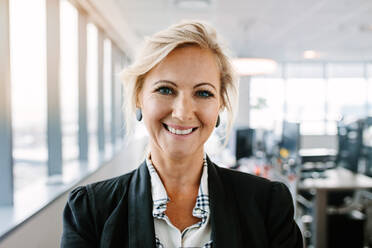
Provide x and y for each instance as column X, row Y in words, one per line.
column 166, row 234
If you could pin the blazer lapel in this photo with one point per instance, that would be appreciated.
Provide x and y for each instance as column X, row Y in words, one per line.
column 140, row 220
column 115, row 227
column 224, row 220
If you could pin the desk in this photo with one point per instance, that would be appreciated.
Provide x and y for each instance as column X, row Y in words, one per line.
column 317, row 155
column 337, row 179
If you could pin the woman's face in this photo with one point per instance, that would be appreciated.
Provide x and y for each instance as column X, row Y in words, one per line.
column 180, row 101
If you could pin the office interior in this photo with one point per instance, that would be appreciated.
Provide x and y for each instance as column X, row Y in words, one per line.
column 304, row 118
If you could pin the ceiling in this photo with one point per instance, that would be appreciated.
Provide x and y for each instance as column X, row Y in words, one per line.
column 337, row 30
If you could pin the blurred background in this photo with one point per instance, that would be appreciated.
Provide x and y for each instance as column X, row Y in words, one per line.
column 305, row 107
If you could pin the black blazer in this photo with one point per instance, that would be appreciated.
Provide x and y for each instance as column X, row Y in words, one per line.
column 246, row 211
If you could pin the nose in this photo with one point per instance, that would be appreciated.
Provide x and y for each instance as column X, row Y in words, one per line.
column 183, row 107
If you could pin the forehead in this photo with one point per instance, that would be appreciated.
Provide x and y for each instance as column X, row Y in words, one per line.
column 187, row 65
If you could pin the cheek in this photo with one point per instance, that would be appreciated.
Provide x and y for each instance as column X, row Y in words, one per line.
column 154, row 109
column 208, row 113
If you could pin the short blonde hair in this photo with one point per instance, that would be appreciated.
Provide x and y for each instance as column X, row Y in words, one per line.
column 158, row 46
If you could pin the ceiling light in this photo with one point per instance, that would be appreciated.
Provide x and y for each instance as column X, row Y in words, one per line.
column 310, row 54
column 254, row 66
column 192, row 4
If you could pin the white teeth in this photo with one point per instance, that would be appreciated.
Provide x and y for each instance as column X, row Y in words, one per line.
column 176, row 131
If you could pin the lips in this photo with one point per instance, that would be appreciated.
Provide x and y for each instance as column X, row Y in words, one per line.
column 179, row 130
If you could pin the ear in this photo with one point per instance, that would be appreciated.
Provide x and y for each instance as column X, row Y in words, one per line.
column 138, row 104
column 222, row 105
column 139, row 91
column 138, row 99
column 222, row 102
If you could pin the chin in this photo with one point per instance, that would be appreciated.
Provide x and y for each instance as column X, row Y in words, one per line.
column 179, row 153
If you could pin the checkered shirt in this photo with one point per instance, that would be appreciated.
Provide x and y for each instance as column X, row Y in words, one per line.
column 160, row 200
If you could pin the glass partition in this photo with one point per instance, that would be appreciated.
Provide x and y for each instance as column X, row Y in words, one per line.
column 28, row 80
column 69, row 80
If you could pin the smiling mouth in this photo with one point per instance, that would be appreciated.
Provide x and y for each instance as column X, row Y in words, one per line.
column 177, row 131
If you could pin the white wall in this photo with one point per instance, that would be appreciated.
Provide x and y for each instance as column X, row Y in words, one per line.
column 319, row 141
column 45, row 228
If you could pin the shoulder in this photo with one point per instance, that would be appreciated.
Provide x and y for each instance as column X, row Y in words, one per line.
column 100, row 195
column 268, row 202
column 248, row 187
column 89, row 207
column 242, row 180
column 113, row 186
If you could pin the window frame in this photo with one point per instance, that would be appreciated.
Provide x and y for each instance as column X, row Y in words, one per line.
column 16, row 207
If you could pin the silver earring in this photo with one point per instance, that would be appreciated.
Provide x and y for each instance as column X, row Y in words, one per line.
column 218, row 121
column 138, row 114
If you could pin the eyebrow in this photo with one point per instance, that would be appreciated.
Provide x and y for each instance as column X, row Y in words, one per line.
column 198, row 85
column 205, row 83
column 164, row 81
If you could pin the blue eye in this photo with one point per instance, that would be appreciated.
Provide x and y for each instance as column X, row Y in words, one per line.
column 204, row 94
column 165, row 91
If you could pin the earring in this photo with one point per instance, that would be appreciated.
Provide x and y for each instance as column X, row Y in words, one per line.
column 218, row 121
column 138, row 114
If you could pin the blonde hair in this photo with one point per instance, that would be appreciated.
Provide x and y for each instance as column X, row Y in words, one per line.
column 158, row 46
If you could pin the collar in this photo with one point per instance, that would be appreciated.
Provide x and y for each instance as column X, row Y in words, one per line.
column 224, row 221
column 160, row 197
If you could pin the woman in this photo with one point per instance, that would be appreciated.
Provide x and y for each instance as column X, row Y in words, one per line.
column 178, row 86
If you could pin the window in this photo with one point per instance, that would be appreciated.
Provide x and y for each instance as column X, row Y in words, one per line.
column 369, row 96
column 69, row 81
column 30, row 96
column 107, row 91
column 346, row 97
column 266, row 101
column 119, row 126
column 306, row 104
column 306, row 97
column 92, row 89
column 28, row 76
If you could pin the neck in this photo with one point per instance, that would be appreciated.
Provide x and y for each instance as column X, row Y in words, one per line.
column 178, row 174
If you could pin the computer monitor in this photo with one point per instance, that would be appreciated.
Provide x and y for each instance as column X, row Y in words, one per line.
column 244, row 143
column 368, row 121
column 269, row 143
column 290, row 137
column 350, row 142
column 368, row 157
column 367, row 145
